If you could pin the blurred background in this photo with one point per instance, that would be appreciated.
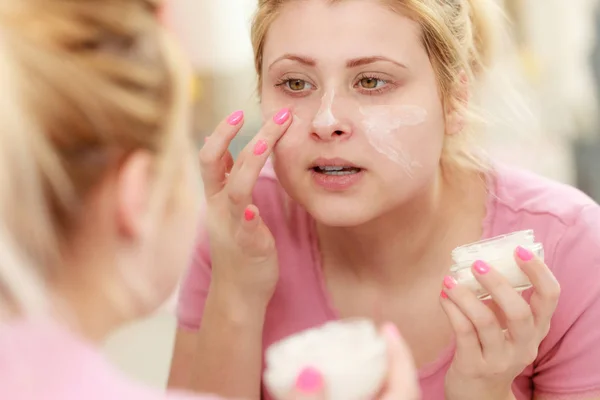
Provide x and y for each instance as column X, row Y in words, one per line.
column 551, row 59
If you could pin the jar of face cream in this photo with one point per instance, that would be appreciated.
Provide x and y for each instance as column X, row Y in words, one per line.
column 498, row 253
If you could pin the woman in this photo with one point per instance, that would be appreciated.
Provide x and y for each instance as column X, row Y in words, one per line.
column 370, row 189
column 99, row 193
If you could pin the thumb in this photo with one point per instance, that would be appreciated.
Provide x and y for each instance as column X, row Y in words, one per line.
column 402, row 382
column 309, row 386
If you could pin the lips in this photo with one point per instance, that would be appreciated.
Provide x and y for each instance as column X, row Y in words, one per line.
column 334, row 165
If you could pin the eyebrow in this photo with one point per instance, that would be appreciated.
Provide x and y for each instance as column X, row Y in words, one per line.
column 358, row 62
column 294, row 57
column 353, row 63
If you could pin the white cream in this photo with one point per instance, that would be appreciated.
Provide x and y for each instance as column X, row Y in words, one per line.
column 382, row 126
column 351, row 355
column 498, row 253
column 324, row 117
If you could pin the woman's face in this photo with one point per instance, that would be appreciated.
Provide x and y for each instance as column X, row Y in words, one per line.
column 368, row 118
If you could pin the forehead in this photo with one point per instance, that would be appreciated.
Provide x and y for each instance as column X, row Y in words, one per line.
column 342, row 30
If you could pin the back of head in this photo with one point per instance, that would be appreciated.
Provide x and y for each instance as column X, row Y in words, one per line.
column 85, row 83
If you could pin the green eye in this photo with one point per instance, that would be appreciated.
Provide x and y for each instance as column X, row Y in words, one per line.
column 369, row 83
column 296, row 85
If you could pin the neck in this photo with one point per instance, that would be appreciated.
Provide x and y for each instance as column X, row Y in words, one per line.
column 87, row 315
column 415, row 237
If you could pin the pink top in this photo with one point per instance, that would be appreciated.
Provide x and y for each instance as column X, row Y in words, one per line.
column 566, row 221
column 44, row 361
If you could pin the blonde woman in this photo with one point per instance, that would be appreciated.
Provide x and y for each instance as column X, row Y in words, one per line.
column 371, row 188
column 98, row 192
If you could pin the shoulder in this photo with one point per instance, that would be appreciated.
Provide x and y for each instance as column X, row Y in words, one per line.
column 564, row 220
column 558, row 213
column 567, row 223
column 524, row 192
column 63, row 367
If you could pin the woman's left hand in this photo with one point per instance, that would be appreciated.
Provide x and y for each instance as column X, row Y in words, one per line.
column 488, row 358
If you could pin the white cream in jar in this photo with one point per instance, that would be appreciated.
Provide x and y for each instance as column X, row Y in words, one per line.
column 351, row 355
column 498, row 253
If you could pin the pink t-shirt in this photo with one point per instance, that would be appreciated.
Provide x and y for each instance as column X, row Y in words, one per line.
column 43, row 361
column 566, row 221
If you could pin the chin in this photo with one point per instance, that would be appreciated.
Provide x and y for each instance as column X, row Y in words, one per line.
column 341, row 213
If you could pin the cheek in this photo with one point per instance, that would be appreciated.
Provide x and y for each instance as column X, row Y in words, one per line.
column 407, row 136
column 303, row 111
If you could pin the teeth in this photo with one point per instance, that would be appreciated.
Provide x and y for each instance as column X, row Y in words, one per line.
column 331, row 168
column 336, row 170
column 346, row 172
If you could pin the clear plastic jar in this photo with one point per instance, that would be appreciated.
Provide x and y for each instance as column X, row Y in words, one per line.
column 498, row 252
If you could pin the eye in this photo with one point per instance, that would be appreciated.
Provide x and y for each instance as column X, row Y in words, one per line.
column 297, row 85
column 371, row 83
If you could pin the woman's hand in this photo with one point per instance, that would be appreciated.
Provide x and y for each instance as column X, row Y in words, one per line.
column 488, row 358
column 243, row 254
column 401, row 382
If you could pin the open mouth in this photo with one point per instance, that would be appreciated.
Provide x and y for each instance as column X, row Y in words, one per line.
column 336, row 170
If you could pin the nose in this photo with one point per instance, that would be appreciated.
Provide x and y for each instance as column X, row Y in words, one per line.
column 327, row 125
column 330, row 134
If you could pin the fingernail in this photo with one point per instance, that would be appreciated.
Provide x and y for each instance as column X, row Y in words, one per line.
column 248, row 214
column 281, row 116
column 524, row 254
column 449, row 282
column 391, row 330
column 260, row 147
column 481, row 267
column 443, row 295
column 309, row 381
column 235, row 118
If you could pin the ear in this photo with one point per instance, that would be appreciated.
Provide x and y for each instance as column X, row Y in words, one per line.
column 455, row 118
column 134, row 183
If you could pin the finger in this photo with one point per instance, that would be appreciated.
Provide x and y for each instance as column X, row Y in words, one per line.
column 215, row 150
column 309, row 386
column 546, row 288
column 402, row 382
column 253, row 158
column 468, row 347
column 517, row 313
column 249, row 235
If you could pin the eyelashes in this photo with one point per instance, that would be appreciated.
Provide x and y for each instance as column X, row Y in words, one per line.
column 367, row 83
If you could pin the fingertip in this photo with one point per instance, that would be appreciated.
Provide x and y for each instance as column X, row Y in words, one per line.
column 282, row 116
column 523, row 254
column 235, row 118
column 390, row 330
column 250, row 213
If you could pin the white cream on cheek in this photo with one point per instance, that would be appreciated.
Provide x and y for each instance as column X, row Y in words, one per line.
column 383, row 127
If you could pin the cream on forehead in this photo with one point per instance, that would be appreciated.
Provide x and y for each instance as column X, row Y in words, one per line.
column 382, row 126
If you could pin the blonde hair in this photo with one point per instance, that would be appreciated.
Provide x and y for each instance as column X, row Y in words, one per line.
column 460, row 37
column 85, row 83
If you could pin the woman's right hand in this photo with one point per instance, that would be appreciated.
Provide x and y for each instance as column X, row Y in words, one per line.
column 401, row 383
column 243, row 253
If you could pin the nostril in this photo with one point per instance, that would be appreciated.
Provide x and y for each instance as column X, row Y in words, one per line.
column 339, row 133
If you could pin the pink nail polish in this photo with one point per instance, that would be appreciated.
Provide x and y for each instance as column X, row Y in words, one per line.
column 391, row 330
column 282, row 116
column 235, row 118
column 248, row 214
column 309, row 381
column 481, row 267
column 443, row 295
column 524, row 254
column 449, row 282
column 260, row 147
